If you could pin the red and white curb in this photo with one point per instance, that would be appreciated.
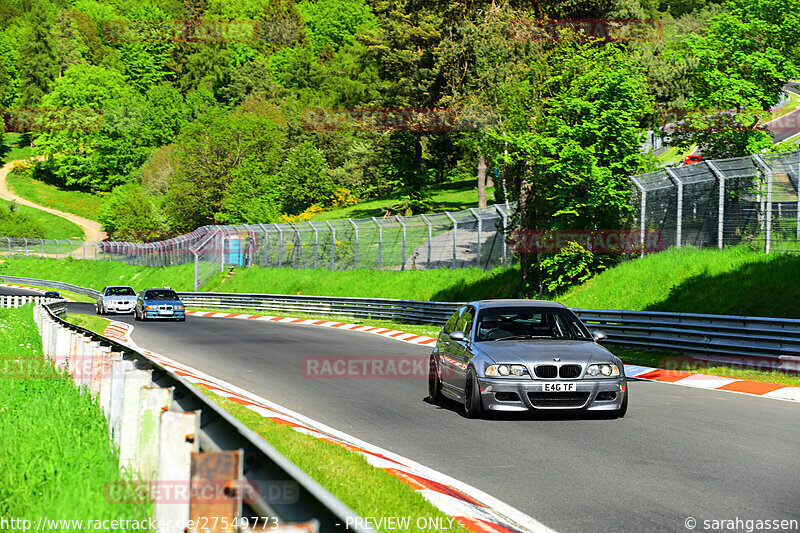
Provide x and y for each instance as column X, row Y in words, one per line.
column 472, row 508
column 34, row 289
column 675, row 377
column 383, row 332
column 720, row 383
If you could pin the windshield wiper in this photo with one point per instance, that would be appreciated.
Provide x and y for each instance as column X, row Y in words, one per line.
column 520, row 337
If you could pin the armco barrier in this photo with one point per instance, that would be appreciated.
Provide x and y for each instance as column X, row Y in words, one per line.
column 194, row 456
column 91, row 293
column 407, row 311
column 775, row 342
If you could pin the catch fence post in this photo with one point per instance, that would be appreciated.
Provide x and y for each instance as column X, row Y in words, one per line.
column 721, row 203
column 642, row 211
column 430, row 238
column 679, row 222
column 402, row 223
column 767, row 170
column 480, row 235
column 333, row 244
column 380, row 241
column 505, row 227
column 266, row 244
column 455, row 237
column 280, row 244
column 316, row 242
column 355, row 255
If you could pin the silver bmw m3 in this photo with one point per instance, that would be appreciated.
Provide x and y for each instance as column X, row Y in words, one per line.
column 524, row 355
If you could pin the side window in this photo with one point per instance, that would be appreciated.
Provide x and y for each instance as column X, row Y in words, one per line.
column 465, row 320
column 449, row 326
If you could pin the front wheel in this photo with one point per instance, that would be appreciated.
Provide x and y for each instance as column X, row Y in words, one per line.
column 623, row 409
column 472, row 396
column 434, row 383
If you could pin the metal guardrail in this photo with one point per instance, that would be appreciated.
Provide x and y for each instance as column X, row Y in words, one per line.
column 721, row 338
column 407, row 311
column 91, row 293
column 264, row 466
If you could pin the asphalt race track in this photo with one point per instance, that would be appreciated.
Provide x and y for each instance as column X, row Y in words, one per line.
column 21, row 292
column 680, row 452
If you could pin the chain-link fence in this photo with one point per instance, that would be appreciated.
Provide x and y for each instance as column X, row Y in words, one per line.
column 54, row 248
column 469, row 238
column 724, row 202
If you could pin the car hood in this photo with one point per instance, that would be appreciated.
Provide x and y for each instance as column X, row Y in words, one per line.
column 541, row 351
column 120, row 298
column 163, row 302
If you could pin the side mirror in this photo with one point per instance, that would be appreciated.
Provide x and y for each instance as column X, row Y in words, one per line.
column 458, row 336
column 598, row 335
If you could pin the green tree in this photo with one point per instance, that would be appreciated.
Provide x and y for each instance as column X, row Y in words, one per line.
column 38, row 60
column 744, row 57
column 573, row 141
column 128, row 213
column 304, row 179
column 94, row 140
column 68, row 41
column 9, row 75
column 225, row 170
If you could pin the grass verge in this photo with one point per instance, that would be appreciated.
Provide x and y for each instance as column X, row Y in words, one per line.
column 55, row 458
column 369, row 491
column 15, row 146
column 55, row 226
column 732, row 281
column 84, row 204
column 90, row 322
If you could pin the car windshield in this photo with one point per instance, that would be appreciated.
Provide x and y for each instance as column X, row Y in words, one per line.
column 120, row 291
column 506, row 323
column 161, row 294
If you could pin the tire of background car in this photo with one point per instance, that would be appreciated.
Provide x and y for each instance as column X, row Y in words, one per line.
column 434, row 383
column 472, row 396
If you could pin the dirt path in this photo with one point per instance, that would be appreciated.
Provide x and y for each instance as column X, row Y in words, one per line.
column 93, row 230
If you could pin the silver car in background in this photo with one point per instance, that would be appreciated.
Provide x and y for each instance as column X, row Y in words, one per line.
column 524, row 355
column 116, row 299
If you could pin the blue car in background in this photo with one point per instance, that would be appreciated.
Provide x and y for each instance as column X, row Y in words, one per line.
column 159, row 303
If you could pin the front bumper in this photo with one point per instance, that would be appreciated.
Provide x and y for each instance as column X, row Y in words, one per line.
column 155, row 313
column 118, row 308
column 529, row 395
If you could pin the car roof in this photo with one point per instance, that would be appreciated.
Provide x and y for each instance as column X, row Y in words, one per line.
column 517, row 303
column 119, row 287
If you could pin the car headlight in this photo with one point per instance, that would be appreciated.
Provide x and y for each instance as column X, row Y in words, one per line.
column 149, row 306
column 179, row 307
column 503, row 371
column 602, row 371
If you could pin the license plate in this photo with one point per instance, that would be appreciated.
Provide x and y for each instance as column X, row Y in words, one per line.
column 559, row 387
column 164, row 312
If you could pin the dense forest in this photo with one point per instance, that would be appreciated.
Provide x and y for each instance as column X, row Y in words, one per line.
column 193, row 112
